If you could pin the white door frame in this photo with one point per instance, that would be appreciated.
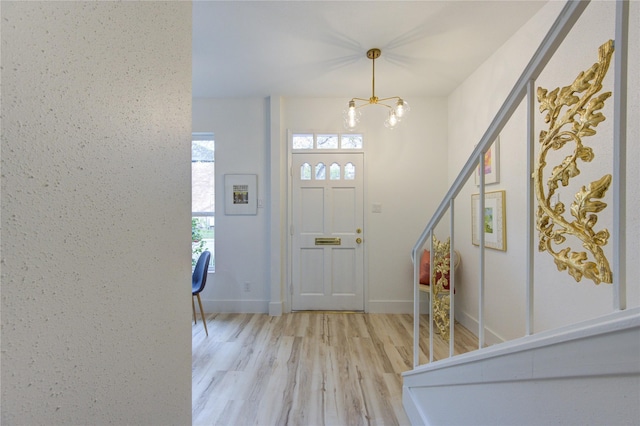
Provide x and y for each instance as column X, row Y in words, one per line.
column 288, row 290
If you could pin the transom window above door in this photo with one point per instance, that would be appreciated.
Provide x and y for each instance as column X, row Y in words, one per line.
column 326, row 141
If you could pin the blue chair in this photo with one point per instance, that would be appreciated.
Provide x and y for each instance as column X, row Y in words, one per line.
column 198, row 281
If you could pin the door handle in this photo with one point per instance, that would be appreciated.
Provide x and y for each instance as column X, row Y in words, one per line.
column 359, row 240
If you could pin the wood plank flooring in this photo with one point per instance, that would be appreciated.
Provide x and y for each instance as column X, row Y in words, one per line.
column 306, row 368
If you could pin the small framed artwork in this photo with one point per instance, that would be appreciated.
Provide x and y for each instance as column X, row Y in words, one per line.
column 494, row 220
column 240, row 194
column 491, row 165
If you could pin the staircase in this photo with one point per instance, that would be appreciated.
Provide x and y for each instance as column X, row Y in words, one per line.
column 583, row 373
column 587, row 374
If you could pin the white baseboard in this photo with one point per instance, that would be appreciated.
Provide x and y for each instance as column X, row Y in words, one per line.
column 471, row 324
column 236, row 306
column 275, row 309
column 394, row 306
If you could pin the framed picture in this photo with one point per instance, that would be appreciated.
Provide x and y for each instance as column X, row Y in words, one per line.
column 240, row 194
column 495, row 220
column 491, row 164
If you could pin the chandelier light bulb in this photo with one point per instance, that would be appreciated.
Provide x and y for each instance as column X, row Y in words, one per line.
column 351, row 116
column 391, row 122
column 352, row 110
column 402, row 108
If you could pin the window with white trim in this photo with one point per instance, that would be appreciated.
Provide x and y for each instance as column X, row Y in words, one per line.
column 322, row 141
column 203, row 205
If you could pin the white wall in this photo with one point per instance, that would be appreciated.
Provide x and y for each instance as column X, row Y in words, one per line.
column 241, row 133
column 411, row 156
column 95, row 213
column 559, row 300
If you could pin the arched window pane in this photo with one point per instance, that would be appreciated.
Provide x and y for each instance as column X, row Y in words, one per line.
column 349, row 171
column 302, row 141
column 321, row 171
column 351, row 142
column 327, row 141
column 305, row 171
column 334, row 171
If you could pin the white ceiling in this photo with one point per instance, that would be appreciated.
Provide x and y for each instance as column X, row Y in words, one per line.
column 318, row 48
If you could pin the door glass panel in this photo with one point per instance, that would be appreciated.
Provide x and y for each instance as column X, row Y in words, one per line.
column 327, row 141
column 334, row 171
column 305, row 171
column 349, row 171
column 351, row 142
column 302, row 141
column 321, row 171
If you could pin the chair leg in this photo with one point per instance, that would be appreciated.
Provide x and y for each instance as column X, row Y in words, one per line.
column 204, row 321
column 193, row 305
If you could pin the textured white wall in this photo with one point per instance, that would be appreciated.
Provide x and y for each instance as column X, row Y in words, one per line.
column 559, row 300
column 95, row 212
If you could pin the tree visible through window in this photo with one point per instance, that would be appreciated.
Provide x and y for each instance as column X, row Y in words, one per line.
column 203, row 206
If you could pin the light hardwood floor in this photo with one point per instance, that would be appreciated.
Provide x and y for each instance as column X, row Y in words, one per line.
column 306, row 368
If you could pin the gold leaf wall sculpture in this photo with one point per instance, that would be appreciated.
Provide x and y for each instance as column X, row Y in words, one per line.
column 440, row 300
column 573, row 112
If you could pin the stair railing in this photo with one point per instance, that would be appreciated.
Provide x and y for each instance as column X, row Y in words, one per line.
column 524, row 87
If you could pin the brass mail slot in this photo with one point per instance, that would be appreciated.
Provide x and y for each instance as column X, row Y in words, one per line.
column 328, row 241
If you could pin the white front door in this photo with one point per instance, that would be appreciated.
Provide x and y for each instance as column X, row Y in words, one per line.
column 328, row 237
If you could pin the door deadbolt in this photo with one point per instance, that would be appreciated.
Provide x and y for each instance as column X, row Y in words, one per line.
column 358, row 231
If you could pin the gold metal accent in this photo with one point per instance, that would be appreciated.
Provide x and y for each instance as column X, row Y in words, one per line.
column 580, row 118
column 440, row 300
column 328, row 241
column 374, row 54
column 358, row 231
column 358, row 240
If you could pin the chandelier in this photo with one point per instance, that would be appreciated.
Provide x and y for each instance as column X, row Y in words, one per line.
column 396, row 112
